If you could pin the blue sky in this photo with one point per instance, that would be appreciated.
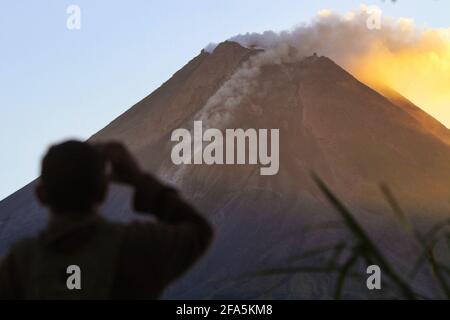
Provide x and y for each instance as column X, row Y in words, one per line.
column 57, row 83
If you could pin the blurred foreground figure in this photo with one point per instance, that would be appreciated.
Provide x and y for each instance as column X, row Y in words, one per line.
column 80, row 255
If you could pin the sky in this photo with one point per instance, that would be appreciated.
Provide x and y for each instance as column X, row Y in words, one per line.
column 57, row 83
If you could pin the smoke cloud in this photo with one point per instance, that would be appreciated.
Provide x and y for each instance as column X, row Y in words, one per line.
column 413, row 60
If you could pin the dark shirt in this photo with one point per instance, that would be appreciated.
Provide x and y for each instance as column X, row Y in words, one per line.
column 151, row 255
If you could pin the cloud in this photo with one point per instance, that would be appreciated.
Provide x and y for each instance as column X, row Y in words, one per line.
column 398, row 54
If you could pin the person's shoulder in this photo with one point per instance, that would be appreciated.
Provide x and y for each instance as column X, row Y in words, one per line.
column 142, row 230
column 20, row 251
column 138, row 225
column 24, row 244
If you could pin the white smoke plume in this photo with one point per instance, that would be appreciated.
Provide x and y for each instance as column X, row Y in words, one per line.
column 347, row 39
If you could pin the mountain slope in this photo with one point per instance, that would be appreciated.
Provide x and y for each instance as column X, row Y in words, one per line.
column 329, row 122
column 428, row 122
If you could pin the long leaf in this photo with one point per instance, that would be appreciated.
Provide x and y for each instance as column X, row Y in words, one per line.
column 360, row 234
column 342, row 275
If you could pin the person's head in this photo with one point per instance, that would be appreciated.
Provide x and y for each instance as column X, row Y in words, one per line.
column 73, row 178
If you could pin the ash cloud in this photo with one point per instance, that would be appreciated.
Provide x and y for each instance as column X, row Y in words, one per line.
column 346, row 39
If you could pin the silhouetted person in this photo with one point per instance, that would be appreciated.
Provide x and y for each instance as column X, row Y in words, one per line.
column 134, row 260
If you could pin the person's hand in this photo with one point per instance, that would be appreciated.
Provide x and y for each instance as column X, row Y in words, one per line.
column 124, row 167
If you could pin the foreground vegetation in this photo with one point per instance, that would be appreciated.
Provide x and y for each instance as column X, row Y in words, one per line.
column 344, row 256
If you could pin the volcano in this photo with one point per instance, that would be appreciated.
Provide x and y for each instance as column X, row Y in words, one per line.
column 352, row 136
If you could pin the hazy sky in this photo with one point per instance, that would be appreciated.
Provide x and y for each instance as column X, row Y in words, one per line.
column 57, row 83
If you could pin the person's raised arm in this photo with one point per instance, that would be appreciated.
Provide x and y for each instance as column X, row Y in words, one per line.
column 182, row 234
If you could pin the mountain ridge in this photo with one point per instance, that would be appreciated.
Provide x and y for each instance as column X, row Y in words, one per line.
column 329, row 122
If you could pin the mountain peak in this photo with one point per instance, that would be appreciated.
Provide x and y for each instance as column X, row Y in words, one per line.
column 328, row 122
column 230, row 46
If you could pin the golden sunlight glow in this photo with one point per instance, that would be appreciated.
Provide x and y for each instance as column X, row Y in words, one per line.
column 421, row 72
